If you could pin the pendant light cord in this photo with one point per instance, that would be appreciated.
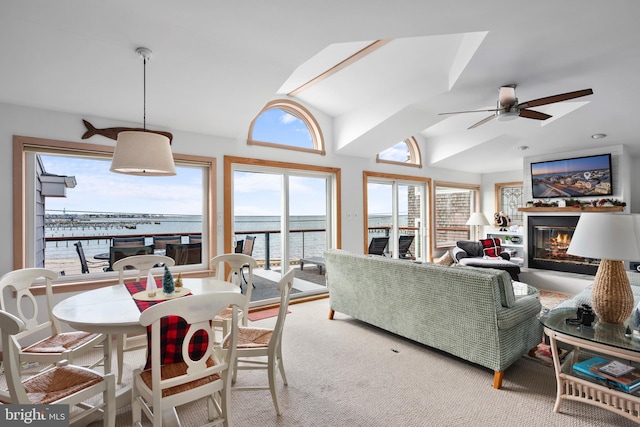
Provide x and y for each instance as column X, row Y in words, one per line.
column 144, row 93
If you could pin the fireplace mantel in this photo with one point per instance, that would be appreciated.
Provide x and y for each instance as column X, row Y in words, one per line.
column 572, row 209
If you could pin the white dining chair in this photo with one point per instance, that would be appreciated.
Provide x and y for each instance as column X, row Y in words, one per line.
column 141, row 264
column 256, row 343
column 187, row 377
column 229, row 267
column 56, row 345
column 63, row 384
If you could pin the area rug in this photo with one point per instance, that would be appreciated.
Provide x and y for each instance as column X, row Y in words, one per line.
column 264, row 314
column 549, row 299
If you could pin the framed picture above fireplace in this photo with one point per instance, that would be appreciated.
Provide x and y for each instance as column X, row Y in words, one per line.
column 574, row 177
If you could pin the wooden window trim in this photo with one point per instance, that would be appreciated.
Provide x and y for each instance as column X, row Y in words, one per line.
column 415, row 158
column 301, row 113
column 24, row 144
column 436, row 184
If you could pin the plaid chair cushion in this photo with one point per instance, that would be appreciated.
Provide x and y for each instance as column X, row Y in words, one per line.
column 491, row 247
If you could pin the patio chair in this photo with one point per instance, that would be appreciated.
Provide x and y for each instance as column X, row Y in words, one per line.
column 178, row 376
column 121, row 242
column 61, row 385
column 404, row 245
column 57, row 345
column 377, row 245
column 116, row 253
column 195, row 238
column 160, row 242
column 185, row 253
column 254, row 343
column 141, row 263
column 84, row 263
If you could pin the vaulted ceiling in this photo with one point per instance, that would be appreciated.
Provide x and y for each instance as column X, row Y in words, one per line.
column 216, row 64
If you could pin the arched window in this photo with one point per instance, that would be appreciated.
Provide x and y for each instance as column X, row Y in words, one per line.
column 286, row 124
column 403, row 153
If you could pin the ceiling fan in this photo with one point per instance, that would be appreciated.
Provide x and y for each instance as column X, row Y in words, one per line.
column 508, row 108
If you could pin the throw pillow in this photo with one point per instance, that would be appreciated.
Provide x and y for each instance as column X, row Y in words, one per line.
column 472, row 248
column 491, row 247
column 445, row 260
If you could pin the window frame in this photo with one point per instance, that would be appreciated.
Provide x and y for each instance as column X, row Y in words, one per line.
column 499, row 186
column 23, row 146
column 301, row 113
column 415, row 158
column 476, row 207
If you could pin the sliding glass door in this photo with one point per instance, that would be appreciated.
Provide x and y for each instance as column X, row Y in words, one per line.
column 396, row 208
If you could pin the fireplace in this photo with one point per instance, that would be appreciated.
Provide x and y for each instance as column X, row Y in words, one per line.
column 548, row 240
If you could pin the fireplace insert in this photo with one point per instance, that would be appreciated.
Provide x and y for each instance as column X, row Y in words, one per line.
column 548, row 240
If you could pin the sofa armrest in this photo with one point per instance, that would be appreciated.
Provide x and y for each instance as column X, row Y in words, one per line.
column 458, row 253
column 524, row 308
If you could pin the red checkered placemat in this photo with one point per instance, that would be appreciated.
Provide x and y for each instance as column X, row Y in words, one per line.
column 172, row 331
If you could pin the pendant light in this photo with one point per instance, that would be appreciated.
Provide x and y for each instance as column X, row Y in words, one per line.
column 143, row 153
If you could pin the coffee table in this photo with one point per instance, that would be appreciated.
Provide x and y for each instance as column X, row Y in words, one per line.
column 600, row 339
column 312, row 260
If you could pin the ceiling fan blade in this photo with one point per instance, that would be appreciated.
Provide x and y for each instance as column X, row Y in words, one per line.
column 481, row 122
column 556, row 98
column 470, row 111
column 530, row 114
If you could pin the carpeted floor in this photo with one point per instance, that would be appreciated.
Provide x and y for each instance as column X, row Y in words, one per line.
column 343, row 372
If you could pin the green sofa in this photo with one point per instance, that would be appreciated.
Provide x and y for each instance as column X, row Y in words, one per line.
column 471, row 313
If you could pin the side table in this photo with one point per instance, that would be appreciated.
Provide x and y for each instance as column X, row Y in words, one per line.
column 599, row 339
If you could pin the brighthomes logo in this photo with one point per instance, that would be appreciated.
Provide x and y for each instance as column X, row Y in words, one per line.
column 35, row 415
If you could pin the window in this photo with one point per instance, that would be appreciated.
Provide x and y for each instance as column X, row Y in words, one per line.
column 454, row 203
column 97, row 205
column 509, row 197
column 286, row 124
column 404, row 153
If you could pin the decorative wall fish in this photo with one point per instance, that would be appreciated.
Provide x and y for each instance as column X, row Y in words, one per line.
column 112, row 133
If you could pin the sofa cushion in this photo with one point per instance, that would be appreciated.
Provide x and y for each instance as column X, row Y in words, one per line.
column 445, row 259
column 471, row 247
column 491, row 247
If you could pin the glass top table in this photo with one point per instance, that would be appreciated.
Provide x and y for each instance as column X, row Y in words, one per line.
column 600, row 333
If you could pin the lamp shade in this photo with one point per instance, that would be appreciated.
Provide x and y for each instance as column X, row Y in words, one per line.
column 606, row 236
column 143, row 153
column 477, row 218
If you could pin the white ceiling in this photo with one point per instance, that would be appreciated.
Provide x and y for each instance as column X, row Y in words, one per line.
column 216, row 64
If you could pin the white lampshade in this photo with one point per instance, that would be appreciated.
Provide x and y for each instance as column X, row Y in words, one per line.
column 606, row 236
column 143, row 153
column 477, row 218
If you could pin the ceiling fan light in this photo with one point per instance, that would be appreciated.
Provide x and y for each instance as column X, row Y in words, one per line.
column 505, row 116
column 143, row 154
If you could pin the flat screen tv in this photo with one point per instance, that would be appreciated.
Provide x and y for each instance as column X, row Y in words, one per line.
column 576, row 177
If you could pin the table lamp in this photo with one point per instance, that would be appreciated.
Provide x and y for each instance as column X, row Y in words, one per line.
column 477, row 219
column 612, row 238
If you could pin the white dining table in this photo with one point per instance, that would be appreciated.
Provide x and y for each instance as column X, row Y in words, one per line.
column 112, row 310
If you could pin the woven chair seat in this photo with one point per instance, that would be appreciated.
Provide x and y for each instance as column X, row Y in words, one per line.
column 60, row 342
column 173, row 370
column 253, row 338
column 60, row 382
column 226, row 314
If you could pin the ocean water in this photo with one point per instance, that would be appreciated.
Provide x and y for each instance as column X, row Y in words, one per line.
column 308, row 243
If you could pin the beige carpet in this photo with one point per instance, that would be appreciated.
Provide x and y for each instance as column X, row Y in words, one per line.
column 346, row 373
